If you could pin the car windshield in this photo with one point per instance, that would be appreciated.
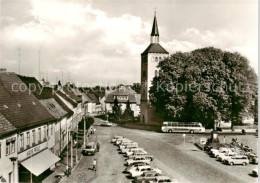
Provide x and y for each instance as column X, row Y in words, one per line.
column 88, row 147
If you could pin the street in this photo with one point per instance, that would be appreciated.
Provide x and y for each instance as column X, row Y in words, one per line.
column 176, row 156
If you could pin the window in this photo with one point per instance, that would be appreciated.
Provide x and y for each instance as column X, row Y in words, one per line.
column 0, row 151
column 144, row 73
column 12, row 146
column 21, row 141
column 39, row 135
column 33, row 136
column 156, row 73
column 44, row 132
column 7, row 148
column 28, row 138
column 52, row 129
column 160, row 58
column 48, row 133
column 156, row 59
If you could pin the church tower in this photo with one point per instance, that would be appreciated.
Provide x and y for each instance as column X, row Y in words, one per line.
column 150, row 58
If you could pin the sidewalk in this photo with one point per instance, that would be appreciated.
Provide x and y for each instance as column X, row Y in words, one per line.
column 62, row 164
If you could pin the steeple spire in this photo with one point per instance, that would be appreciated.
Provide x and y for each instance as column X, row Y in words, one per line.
column 155, row 31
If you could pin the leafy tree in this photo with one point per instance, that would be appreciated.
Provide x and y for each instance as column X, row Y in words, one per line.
column 204, row 85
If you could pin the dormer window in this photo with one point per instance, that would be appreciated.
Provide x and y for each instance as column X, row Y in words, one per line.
column 33, row 103
column 5, row 106
column 19, row 105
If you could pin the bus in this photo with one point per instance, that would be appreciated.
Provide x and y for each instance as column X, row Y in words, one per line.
column 191, row 127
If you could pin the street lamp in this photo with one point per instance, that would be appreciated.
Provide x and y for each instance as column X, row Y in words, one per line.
column 13, row 159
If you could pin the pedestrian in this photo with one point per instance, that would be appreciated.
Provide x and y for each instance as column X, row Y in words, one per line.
column 94, row 164
column 98, row 146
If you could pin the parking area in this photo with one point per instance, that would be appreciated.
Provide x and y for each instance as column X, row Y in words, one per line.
column 177, row 157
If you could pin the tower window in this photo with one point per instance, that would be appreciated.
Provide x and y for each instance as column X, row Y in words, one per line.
column 144, row 73
column 156, row 73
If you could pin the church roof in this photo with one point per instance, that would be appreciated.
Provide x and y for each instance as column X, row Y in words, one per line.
column 155, row 48
column 155, row 31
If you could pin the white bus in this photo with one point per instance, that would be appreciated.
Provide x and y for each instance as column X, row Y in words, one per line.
column 191, row 127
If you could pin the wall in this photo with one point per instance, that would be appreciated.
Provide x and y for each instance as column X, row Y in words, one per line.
column 6, row 166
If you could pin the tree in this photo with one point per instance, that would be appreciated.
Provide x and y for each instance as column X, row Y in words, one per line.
column 116, row 110
column 204, row 85
column 128, row 113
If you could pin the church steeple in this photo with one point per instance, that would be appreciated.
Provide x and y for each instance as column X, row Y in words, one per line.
column 155, row 31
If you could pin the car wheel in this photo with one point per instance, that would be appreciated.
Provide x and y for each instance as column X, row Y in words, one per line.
column 170, row 131
column 191, row 131
column 231, row 163
column 244, row 163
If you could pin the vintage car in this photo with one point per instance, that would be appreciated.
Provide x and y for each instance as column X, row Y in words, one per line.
column 91, row 149
column 237, row 160
column 138, row 159
column 141, row 169
column 150, row 175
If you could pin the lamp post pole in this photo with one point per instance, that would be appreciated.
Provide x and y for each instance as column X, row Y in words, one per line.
column 84, row 143
column 71, row 149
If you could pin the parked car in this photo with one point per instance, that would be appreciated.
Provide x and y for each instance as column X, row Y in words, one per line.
column 253, row 158
column 226, row 156
column 106, row 123
column 134, row 166
column 255, row 172
column 222, row 151
column 141, row 155
column 150, row 175
column 160, row 179
column 138, row 159
column 119, row 141
column 128, row 148
column 136, row 150
column 91, row 149
column 114, row 139
column 126, row 144
column 140, row 170
column 238, row 160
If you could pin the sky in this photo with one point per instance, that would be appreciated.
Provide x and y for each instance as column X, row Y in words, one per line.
column 99, row 42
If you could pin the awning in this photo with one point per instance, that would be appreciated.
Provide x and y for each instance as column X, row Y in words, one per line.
column 40, row 162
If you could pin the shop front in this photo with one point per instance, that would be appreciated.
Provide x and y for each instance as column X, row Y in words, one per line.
column 35, row 163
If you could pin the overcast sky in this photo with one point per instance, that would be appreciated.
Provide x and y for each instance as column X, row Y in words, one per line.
column 101, row 41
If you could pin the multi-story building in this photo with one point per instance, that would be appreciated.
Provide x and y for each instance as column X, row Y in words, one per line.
column 124, row 94
column 32, row 122
column 56, row 108
column 8, row 151
column 150, row 58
